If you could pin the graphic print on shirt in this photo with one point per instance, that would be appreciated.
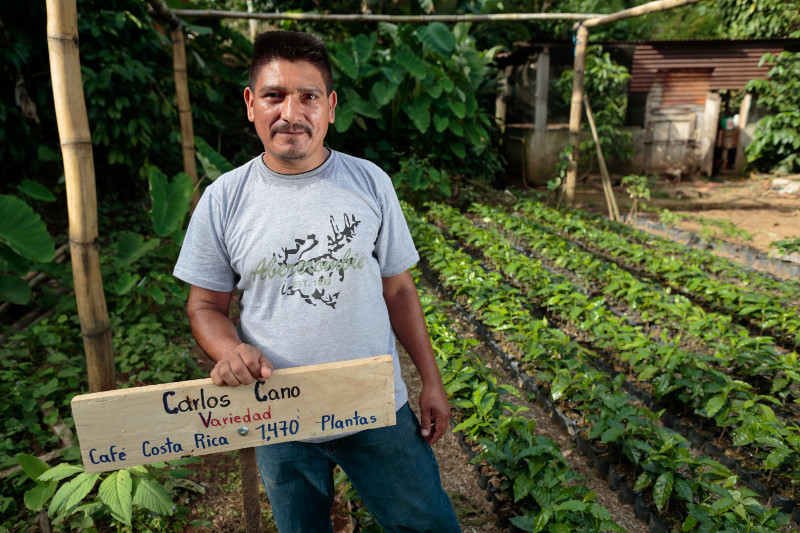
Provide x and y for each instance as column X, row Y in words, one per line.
column 310, row 269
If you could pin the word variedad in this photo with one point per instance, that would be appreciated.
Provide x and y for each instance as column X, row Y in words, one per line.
column 332, row 423
column 236, row 419
column 194, row 404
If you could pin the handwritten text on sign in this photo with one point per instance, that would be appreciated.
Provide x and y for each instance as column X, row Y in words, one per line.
column 129, row 427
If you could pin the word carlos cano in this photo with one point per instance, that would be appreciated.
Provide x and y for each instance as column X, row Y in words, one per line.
column 203, row 406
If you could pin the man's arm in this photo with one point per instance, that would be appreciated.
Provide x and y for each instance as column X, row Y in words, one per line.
column 237, row 363
column 408, row 323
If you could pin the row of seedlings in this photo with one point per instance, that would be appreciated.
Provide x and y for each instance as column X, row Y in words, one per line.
column 720, row 267
column 768, row 313
column 527, row 480
column 673, row 373
column 732, row 348
column 672, row 484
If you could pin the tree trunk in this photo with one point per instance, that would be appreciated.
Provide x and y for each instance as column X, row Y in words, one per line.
column 184, row 108
column 76, row 149
column 575, row 112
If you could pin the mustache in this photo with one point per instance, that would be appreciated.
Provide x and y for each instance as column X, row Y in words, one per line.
column 288, row 127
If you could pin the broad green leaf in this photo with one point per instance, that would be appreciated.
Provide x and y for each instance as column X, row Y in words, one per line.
column 213, row 163
column 153, row 496
column 409, row 61
column 440, row 123
column 383, row 92
column 115, row 492
column 121, row 284
column 60, row 471
column 345, row 63
column 11, row 261
column 522, row 486
column 364, row 45
column 14, row 289
column 572, row 505
column 36, row 190
column 419, row 112
column 438, row 38
column 776, row 458
column 131, row 247
column 361, row 106
column 459, row 149
column 32, row 466
column 459, row 109
column 715, row 404
column 36, row 497
column 71, row 493
column 45, row 153
column 23, row 230
column 170, row 199
column 344, row 116
column 662, row 489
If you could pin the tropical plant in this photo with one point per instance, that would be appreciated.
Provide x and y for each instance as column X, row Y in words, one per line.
column 776, row 143
column 415, row 98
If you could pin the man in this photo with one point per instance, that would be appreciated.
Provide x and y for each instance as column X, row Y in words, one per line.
column 316, row 243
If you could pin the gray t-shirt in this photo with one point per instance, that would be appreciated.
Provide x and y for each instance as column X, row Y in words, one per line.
column 307, row 252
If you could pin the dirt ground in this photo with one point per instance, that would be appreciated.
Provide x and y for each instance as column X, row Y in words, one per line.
column 766, row 208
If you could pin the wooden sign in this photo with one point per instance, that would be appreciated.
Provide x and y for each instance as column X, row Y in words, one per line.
column 129, row 427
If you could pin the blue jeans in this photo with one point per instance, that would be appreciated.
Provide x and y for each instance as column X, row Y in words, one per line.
column 392, row 468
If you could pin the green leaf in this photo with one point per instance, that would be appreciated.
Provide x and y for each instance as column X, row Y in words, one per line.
column 122, row 284
column 459, row 109
column 170, row 200
column 345, row 63
column 419, row 112
column 662, row 489
column 14, row 289
column 572, row 505
column 522, row 486
column 36, row 190
column 71, row 493
column 440, row 123
column 59, row 472
column 153, row 496
column 131, row 247
column 361, row 106
column 213, row 163
column 383, row 92
column 409, row 61
column 24, row 231
column 115, row 492
column 459, row 149
column 715, row 404
column 345, row 112
column 36, row 497
column 32, row 466
column 438, row 38
column 45, row 153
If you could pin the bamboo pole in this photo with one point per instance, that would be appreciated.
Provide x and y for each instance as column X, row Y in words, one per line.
column 335, row 17
column 184, row 108
column 613, row 210
column 576, row 106
column 76, row 149
column 644, row 9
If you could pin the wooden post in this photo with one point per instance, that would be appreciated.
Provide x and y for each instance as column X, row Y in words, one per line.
column 613, row 210
column 252, row 505
column 76, row 149
column 184, row 108
column 540, row 125
column 576, row 105
column 644, row 9
column 744, row 111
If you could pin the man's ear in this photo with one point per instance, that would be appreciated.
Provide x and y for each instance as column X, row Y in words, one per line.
column 248, row 102
column 332, row 103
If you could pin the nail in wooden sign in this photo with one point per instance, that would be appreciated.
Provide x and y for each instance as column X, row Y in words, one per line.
column 129, row 427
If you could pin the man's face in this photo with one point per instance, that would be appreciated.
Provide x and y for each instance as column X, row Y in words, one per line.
column 291, row 112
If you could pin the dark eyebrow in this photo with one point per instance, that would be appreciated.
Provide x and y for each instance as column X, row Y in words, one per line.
column 280, row 89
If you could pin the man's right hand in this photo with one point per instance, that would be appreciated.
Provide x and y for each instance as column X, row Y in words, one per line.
column 241, row 365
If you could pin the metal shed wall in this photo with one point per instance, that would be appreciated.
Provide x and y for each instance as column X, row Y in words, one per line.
column 732, row 63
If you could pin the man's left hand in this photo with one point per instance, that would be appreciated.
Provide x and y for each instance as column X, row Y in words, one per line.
column 434, row 412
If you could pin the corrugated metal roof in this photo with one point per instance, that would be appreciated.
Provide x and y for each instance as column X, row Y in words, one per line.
column 732, row 65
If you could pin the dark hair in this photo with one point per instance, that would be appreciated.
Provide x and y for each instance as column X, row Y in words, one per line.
column 291, row 46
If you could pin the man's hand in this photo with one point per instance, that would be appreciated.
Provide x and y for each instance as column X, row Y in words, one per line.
column 434, row 412
column 241, row 365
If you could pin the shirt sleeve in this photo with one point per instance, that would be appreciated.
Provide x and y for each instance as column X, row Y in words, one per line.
column 394, row 246
column 204, row 260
